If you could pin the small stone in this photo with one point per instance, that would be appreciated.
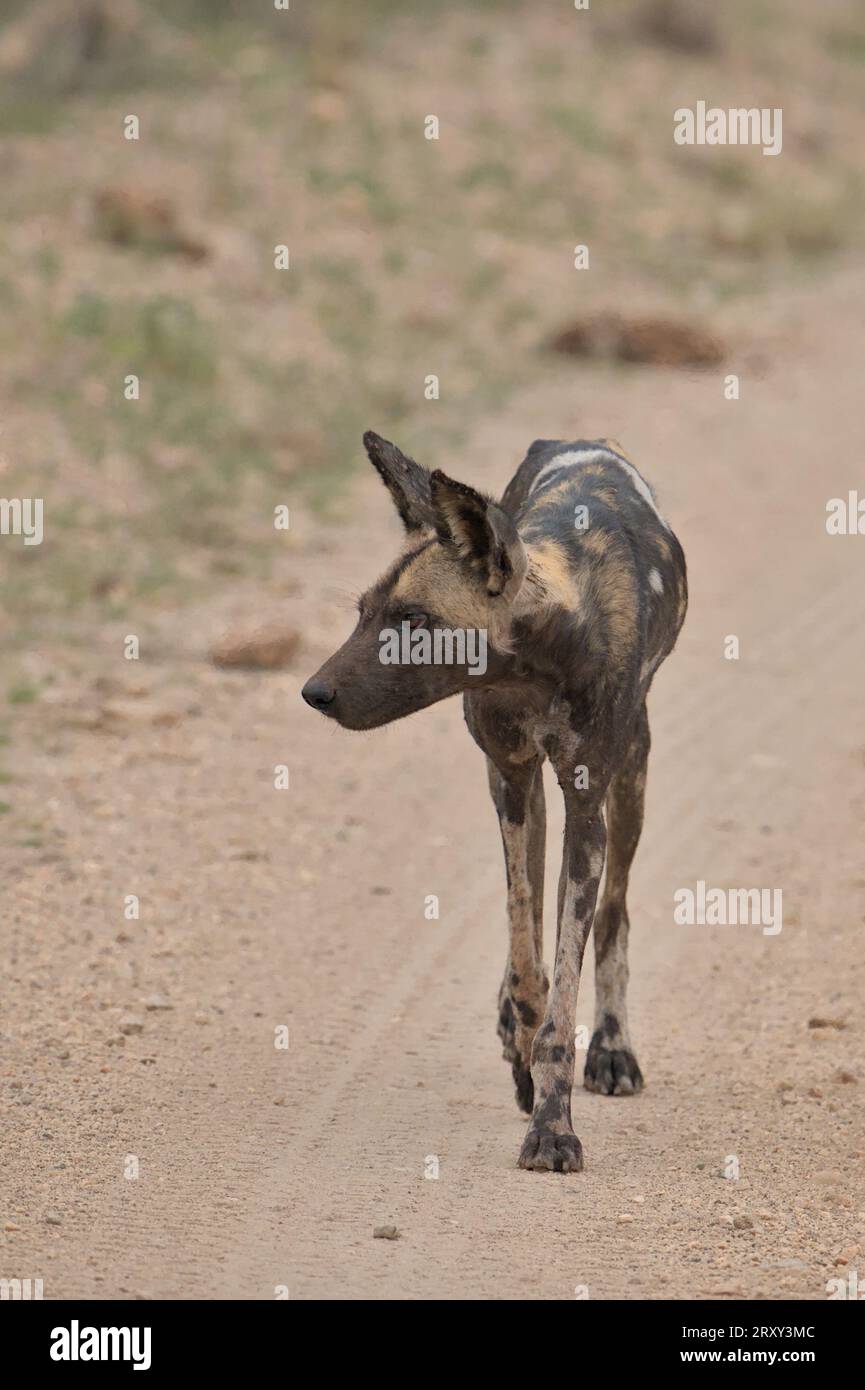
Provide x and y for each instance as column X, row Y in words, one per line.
column 742, row 1223
column 265, row 649
column 129, row 1024
column 53, row 1219
column 386, row 1233
column 815, row 1093
column 836, row 1023
column 624, row 1218
column 846, row 1078
column 845, row 1256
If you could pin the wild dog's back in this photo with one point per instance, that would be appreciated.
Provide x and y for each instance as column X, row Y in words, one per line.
column 593, row 529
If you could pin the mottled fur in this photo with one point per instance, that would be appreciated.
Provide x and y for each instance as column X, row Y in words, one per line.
column 579, row 617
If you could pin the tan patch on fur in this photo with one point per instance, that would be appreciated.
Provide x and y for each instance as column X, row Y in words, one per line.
column 595, row 543
column 550, row 579
column 607, row 495
column 552, row 496
column 451, row 509
column 616, row 590
column 663, row 546
column 617, row 448
column 614, row 587
column 593, row 470
column 434, row 582
column 598, row 473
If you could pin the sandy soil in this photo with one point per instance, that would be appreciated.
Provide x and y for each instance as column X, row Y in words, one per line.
column 153, row 1039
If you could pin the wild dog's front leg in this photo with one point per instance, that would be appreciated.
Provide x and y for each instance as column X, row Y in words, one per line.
column 550, row 1142
column 518, row 794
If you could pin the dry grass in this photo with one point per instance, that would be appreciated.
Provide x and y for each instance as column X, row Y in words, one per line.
column 409, row 257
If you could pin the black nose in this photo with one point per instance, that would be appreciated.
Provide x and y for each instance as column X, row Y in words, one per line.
column 318, row 693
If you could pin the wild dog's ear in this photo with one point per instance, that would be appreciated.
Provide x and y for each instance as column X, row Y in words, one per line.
column 483, row 535
column 405, row 480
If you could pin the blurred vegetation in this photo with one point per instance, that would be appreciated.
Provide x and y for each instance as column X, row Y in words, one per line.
column 409, row 257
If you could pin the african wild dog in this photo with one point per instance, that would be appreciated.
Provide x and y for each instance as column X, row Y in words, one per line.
column 580, row 586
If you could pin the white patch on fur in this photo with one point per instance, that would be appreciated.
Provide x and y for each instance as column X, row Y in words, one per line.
column 649, row 667
column 656, row 581
column 566, row 460
column 547, row 473
column 575, row 456
column 514, row 837
column 641, row 485
column 596, row 863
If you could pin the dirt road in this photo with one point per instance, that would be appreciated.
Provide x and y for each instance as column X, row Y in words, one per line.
column 148, row 1045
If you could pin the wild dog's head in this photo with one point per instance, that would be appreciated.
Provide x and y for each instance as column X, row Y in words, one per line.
column 438, row 621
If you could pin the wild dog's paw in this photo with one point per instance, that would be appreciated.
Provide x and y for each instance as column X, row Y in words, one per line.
column 524, row 1085
column 611, row 1071
column 544, row 1151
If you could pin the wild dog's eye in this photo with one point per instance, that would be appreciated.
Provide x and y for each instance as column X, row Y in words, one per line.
column 415, row 619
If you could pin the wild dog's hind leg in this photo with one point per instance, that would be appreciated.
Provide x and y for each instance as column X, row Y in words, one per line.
column 611, row 1067
column 550, row 1142
column 518, row 794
